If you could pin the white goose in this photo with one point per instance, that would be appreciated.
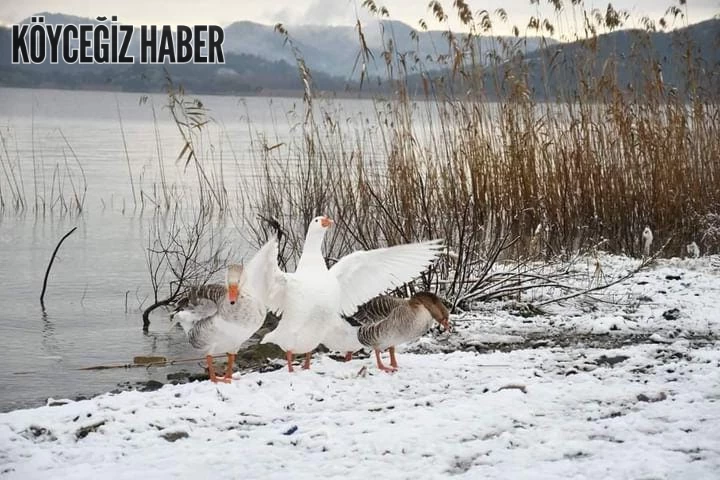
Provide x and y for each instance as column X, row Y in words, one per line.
column 389, row 321
column 342, row 337
column 220, row 318
column 313, row 298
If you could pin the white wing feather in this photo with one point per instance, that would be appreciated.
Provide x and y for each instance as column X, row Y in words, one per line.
column 265, row 280
column 363, row 275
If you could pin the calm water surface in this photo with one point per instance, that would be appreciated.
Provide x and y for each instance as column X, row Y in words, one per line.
column 99, row 279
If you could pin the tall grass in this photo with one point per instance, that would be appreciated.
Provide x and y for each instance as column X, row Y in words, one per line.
column 474, row 148
column 66, row 193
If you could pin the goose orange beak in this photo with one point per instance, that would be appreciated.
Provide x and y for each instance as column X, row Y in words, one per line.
column 325, row 222
column 233, row 292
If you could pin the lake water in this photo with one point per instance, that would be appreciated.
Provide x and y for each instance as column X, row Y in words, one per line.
column 99, row 280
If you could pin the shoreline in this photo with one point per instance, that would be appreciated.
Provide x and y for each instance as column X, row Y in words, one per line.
column 668, row 302
column 599, row 342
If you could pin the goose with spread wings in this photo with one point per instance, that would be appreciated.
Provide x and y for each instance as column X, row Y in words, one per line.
column 314, row 298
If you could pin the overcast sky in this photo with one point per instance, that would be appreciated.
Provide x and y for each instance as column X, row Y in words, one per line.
column 324, row 12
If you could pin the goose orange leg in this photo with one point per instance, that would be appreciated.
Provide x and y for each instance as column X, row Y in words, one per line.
column 289, row 357
column 348, row 356
column 393, row 360
column 211, row 368
column 380, row 363
column 306, row 364
column 229, row 368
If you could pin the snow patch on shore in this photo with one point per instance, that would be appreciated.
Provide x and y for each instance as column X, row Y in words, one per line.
column 535, row 410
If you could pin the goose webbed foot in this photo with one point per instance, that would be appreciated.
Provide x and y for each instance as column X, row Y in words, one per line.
column 211, row 369
column 380, row 364
column 348, row 356
column 306, row 363
column 393, row 360
column 229, row 368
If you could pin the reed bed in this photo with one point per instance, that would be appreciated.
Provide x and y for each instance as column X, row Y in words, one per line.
column 59, row 189
column 473, row 149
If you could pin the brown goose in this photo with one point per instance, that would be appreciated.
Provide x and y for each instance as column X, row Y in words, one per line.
column 388, row 321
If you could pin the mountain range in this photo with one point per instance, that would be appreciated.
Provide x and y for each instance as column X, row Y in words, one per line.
column 258, row 59
column 333, row 49
column 685, row 60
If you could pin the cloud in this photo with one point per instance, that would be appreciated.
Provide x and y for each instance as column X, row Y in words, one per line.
column 322, row 12
column 327, row 12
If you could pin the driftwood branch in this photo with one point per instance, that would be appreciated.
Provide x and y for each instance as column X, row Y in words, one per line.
column 148, row 310
column 154, row 362
column 47, row 272
column 646, row 261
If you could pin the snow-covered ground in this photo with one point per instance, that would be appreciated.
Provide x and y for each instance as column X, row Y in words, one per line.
column 503, row 396
column 671, row 298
